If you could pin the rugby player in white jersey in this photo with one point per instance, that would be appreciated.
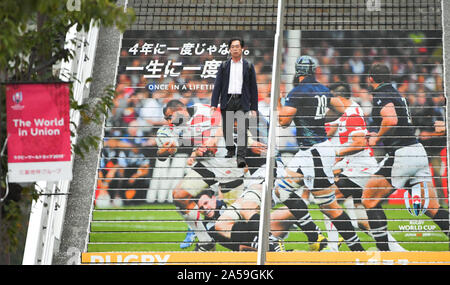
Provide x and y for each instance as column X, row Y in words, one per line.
column 202, row 131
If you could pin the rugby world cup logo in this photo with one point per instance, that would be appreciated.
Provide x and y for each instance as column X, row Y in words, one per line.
column 17, row 98
column 414, row 205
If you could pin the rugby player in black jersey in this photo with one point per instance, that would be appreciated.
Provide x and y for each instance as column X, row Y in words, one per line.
column 406, row 164
column 306, row 105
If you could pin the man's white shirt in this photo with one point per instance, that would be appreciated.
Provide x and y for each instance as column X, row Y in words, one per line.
column 236, row 74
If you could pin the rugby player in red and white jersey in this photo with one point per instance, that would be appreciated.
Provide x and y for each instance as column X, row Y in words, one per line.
column 348, row 134
column 203, row 132
column 355, row 162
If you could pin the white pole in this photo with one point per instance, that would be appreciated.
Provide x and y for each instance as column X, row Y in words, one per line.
column 33, row 241
column 264, row 222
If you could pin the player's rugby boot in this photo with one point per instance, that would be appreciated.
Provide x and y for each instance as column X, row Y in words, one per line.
column 320, row 244
column 205, row 247
column 188, row 240
column 276, row 244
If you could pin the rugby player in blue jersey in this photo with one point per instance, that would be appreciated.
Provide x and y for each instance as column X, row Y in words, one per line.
column 306, row 105
column 406, row 164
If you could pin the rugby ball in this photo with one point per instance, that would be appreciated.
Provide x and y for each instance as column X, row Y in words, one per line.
column 166, row 134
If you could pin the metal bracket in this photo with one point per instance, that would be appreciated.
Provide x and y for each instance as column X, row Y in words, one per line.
column 52, row 194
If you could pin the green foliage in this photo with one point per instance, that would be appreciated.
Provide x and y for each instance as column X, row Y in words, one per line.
column 33, row 32
column 12, row 216
column 32, row 41
column 91, row 113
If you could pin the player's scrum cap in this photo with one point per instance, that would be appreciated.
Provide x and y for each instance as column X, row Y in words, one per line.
column 305, row 65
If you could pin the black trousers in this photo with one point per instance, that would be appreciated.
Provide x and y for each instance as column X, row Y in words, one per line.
column 235, row 117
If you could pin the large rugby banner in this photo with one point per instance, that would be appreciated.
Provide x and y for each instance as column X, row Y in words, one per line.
column 137, row 211
column 38, row 132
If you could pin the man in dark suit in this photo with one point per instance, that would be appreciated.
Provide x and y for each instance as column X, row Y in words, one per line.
column 236, row 90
